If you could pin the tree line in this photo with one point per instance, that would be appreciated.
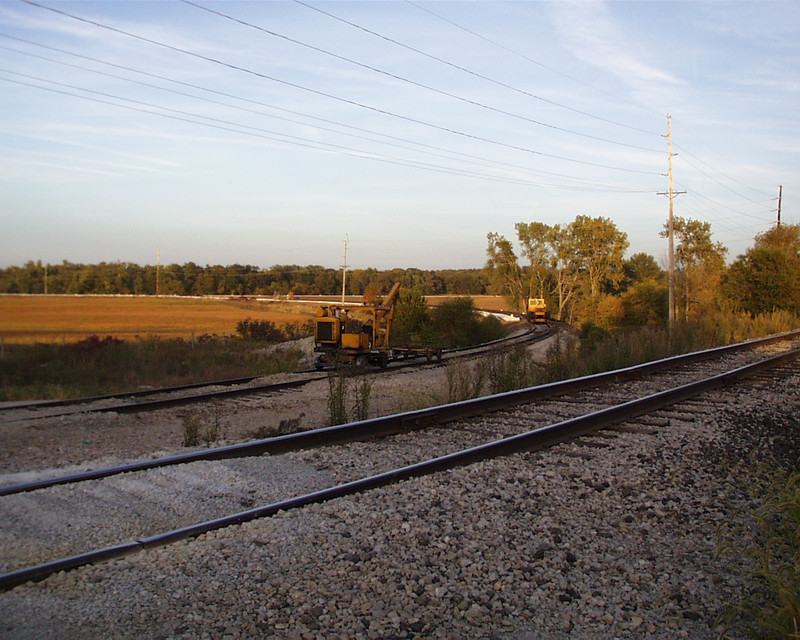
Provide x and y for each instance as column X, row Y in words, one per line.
column 581, row 270
column 125, row 278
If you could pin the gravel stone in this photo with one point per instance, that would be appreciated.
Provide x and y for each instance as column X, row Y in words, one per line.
column 577, row 541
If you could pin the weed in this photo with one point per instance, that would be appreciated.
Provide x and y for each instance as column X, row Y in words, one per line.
column 765, row 552
column 102, row 366
column 337, row 391
column 199, row 428
column 192, row 426
column 361, row 402
column 463, row 381
column 510, row 369
column 288, row 425
column 340, row 386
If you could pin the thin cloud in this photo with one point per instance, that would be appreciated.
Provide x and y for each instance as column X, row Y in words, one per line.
column 588, row 31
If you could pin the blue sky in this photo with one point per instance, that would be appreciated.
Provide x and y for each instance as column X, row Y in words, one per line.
column 273, row 132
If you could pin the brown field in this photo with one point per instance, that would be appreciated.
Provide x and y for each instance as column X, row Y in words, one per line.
column 53, row 319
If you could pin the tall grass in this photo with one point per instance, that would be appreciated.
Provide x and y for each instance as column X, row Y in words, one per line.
column 101, row 366
column 347, row 388
column 597, row 350
column 764, row 548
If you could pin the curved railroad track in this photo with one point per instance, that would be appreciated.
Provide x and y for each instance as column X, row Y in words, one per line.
column 166, row 397
column 182, row 497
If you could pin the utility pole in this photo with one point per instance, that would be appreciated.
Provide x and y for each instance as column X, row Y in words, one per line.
column 671, row 193
column 158, row 270
column 780, row 196
column 344, row 268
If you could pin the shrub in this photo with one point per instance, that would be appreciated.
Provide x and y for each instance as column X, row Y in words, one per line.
column 259, row 330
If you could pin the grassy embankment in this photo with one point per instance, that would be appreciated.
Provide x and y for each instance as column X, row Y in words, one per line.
column 49, row 346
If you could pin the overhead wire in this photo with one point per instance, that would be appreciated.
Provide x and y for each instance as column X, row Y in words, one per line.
column 526, row 58
column 540, row 64
column 413, row 82
column 450, row 154
column 474, row 73
column 286, row 138
column 225, row 125
column 335, row 97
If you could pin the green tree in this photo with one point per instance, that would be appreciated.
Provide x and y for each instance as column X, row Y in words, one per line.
column 456, row 322
column 763, row 280
column 504, row 270
column 640, row 267
column 700, row 263
column 599, row 251
column 411, row 320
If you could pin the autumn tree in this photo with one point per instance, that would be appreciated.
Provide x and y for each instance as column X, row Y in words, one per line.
column 504, row 270
column 553, row 270
column 785, row 238
column 699, row 263
column 536, row 239
column 598, row 249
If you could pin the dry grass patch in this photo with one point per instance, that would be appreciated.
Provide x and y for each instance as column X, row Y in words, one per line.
column 55, row 319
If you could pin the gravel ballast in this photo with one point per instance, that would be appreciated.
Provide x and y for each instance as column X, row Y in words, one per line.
column 604, row 537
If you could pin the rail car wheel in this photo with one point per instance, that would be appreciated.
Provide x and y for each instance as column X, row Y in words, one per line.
column 362, row 361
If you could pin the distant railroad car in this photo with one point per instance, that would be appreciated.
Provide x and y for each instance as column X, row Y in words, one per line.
column 537, row 310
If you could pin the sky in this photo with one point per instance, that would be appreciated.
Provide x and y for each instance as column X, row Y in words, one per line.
column 401, row 133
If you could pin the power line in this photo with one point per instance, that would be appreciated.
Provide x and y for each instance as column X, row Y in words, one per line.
column 414, row 82
column 469, row 158
column 474, row 73
column 524, row 57
column 225, row 125
column 332, row 96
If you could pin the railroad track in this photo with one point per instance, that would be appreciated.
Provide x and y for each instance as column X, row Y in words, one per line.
column 167, row 397
column 230, row 478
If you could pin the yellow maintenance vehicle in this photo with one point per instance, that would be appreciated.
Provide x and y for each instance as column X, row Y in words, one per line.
column 340, row 337
column 537, row 310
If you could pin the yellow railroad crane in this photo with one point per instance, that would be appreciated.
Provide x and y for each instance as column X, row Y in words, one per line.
column 342, row 338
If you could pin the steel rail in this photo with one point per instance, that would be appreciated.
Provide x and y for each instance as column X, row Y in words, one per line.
column 149, row 405
column 393, row 424
column 39, row 404
column 529, row 441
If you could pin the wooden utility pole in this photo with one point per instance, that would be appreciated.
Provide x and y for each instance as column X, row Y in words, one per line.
column 158, row 271
column 780, row 196
column 344, row 268
column 671, row 193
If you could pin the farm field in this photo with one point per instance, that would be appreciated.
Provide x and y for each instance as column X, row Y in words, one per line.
column 55, row 319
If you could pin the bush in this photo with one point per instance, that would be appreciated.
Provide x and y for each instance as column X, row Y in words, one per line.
column 259, row 330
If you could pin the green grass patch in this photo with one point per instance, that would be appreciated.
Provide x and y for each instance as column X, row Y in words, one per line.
column 100, row 366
